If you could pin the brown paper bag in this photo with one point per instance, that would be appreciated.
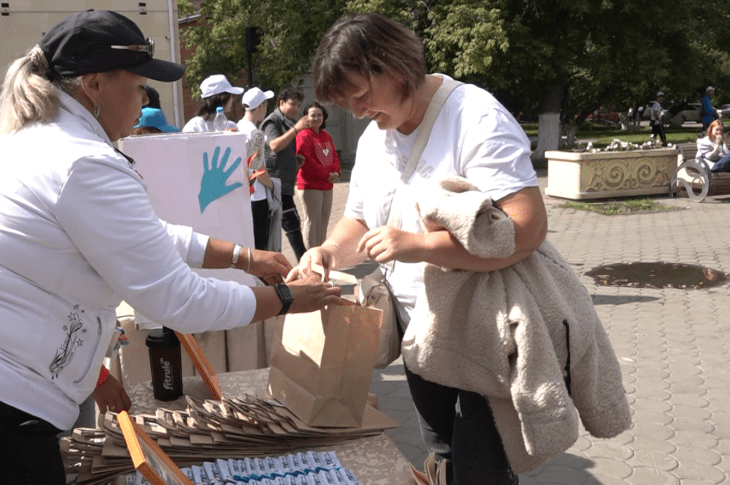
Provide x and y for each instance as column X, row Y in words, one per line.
column 322, row 368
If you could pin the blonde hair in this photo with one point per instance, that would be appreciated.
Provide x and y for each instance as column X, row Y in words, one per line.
column 27, row 94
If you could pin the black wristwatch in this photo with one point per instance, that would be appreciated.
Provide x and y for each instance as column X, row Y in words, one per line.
column 285, row 296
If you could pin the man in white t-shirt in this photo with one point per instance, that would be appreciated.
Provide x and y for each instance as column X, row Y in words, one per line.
column 255, row 103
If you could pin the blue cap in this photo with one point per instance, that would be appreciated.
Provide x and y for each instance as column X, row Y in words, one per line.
column 155, row 118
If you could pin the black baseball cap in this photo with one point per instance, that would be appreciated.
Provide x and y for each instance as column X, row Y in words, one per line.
column 101, row 41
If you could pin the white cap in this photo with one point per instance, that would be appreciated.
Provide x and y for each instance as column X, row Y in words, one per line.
column 217, row 84
column 660, row 93
column 254, row 97
column 710, row 88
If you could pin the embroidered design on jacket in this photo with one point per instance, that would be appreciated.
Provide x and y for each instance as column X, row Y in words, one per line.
column 65, row 354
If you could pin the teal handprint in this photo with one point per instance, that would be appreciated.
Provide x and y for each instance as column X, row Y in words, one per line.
column 213, row 184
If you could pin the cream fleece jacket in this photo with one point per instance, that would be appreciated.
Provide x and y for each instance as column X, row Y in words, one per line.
column 502, row 334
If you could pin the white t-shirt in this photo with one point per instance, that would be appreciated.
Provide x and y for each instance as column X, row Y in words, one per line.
column 656, row 111
column 474, row 136
column 199, row 125
column 247, row 127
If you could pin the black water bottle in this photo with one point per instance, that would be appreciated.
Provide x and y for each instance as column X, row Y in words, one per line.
column 165, row 364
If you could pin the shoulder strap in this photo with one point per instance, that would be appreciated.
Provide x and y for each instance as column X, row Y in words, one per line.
column 424, row 130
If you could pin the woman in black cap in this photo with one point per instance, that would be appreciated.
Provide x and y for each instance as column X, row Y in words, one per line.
column 78, row 235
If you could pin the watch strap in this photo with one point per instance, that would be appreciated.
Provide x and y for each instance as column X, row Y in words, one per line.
column 285, row 296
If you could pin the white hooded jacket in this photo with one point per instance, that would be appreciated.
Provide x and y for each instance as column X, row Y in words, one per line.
column 78, row 235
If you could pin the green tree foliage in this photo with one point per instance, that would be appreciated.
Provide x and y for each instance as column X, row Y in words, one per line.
column 571, row 56
column 559, row 55
column 291, row 30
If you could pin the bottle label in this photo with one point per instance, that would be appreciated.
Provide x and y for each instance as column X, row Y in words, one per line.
column 167, row 367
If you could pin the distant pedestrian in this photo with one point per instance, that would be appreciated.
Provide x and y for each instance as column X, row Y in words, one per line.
column 215, row 91
column 321, row 169
column 281, row 131
column 255, row 102
column 657, row 125
column 708, row 113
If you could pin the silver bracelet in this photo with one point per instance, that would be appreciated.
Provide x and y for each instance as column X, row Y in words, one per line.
column 249, row 260
column 236, row 254
column 337, row 246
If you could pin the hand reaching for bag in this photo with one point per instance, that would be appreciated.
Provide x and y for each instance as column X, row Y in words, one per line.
column 270, row 266
column 311, row 294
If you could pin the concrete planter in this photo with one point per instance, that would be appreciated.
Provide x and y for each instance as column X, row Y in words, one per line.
column 574, row 175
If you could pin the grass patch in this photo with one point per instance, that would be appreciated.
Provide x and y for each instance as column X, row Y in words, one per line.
column 602, row 135
column 620, row 207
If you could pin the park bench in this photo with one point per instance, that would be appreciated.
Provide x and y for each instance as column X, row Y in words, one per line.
column 695, row 177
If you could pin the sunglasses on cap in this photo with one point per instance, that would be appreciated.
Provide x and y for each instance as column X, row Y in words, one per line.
column 148, row 47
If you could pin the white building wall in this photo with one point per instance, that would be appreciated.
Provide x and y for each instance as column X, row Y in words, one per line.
column 23, row 23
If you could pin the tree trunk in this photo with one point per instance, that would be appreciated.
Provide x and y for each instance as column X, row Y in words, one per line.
column 549, row 129
column 572, row 132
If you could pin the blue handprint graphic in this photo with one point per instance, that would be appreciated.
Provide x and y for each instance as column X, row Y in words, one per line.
column 213, row 184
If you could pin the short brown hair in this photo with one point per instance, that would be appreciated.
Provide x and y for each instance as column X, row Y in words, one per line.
column 367, row 44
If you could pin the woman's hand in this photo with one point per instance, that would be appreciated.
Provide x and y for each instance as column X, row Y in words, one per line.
column 386, row 243
column 324, row 255
column 334, row 177
column 111, row 396
column 311, row 294
column 272, row 267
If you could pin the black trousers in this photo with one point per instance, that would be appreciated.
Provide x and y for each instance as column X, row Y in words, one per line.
column 657, row 128
column 292, row 225
column 29, row 451
column 458, row 426
column 260, row 213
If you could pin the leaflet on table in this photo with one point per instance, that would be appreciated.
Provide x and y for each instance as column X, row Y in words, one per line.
column 310, row 468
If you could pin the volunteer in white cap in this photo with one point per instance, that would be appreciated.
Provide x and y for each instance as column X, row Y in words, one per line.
column 255, row 103
column 215, row 91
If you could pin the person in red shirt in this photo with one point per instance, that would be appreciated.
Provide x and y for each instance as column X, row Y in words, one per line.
column 317, row 175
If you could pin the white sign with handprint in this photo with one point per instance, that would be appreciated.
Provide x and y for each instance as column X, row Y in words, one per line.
column 198, row 180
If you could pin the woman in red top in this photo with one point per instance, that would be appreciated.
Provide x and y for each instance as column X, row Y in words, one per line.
column 320, row 170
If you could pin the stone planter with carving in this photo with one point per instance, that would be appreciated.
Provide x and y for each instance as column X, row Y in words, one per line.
column 585, row 175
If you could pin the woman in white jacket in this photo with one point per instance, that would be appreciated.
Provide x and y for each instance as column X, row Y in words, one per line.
column 78, row 235
column 714, row 148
